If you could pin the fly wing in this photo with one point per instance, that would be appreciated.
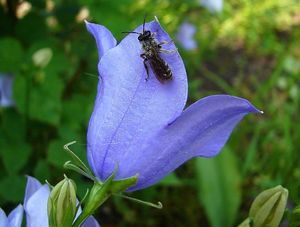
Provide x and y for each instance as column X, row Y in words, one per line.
column 160, row 68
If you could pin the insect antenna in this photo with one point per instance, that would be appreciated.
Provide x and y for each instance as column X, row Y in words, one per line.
column 144, row 22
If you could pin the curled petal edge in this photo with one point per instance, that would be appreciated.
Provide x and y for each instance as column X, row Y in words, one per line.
column 201, row 130
column 104, row 39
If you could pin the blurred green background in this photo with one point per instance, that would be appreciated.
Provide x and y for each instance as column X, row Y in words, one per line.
column 249, row 49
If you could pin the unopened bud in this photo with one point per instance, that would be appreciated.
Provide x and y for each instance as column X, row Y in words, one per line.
column 42, row 57
column 62, row 203
column 268, row 207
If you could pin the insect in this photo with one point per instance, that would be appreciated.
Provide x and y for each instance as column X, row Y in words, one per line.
column 151, row 50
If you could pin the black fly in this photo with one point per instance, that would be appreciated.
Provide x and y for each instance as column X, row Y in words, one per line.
column 152, row 49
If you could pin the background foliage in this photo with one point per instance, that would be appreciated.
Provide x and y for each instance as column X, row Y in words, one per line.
column 250, row 49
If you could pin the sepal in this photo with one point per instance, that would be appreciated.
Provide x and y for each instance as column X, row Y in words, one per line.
column 121, row 185
column 100, row 192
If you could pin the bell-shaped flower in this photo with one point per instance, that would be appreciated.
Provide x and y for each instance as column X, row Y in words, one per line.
column 14, row 219
column 139, row 125
column 6, row 82
column 185, row 36
column 35, row 205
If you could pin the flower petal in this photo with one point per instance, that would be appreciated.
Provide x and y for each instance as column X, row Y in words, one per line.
column 201, row 130
column 3, row 219
column 36, row 208
column 16, row 216
column 129, row 111
column 31, row 187
column 90, row 222
column 104, row 39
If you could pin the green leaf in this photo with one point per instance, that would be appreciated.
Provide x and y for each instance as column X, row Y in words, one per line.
column 14, row 155
column 38, row 93
column 12, row 122
column 218, row 181
column 14, row 151
column 67, row 134
column 33, row 21
column 72, row 115
column 10, row 55
column 45, row 104
column 42, row 170
column 12, row 188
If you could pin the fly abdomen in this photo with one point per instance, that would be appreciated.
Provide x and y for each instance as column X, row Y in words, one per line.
column 168, row 74
column 160, row 68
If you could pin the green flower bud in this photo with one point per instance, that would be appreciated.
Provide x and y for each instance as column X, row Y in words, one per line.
column 62, row 203
column 42, row 57
column 268, row 207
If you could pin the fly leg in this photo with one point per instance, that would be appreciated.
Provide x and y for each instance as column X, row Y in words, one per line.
column 145, row 65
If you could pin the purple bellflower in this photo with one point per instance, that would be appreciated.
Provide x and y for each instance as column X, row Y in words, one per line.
column 14, row 219
column 140, row 125
column 35, row 205
column 185, row 36
column 6, row 82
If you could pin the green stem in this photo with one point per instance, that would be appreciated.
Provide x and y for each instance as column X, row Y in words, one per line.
column 85, row 214
column 100, row 192
column 97, row 196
